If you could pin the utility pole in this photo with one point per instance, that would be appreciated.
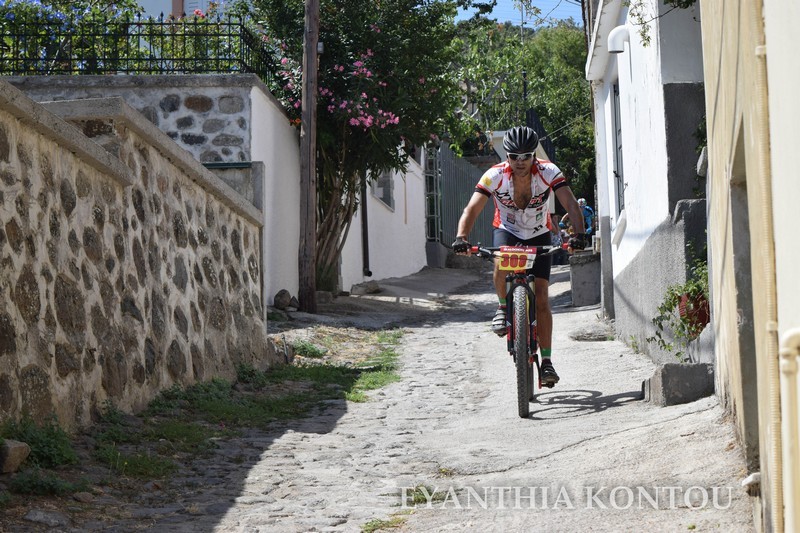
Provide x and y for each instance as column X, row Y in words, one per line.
column 307, row 260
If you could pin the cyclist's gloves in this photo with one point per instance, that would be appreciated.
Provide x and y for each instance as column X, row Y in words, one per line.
column 578, row 241
column 460, row 246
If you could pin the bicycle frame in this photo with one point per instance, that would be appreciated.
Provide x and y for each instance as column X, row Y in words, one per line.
column 518, row 262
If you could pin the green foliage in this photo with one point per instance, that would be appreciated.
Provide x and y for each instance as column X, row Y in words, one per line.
column 506, row 71
column 92, row 37
column 682, row 328
column 183, row 436
column 42, row 483
column 272, row 316
column 384, row 82
column 640, row 15
column 49, row 25
column 143, row 465
column 308, row 349
column 50, row 445
column 379, row 524
column 681, row 4
column 112, row 427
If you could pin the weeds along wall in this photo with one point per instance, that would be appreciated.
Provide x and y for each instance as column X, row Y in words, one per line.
column 124, row 270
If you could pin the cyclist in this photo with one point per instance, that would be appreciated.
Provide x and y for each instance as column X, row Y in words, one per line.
column 520, row 188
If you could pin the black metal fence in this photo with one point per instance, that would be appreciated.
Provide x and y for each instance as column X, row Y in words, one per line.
column 133, row 45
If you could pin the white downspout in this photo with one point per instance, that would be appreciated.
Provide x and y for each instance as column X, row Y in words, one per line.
column 617, row 39
column 789, row 355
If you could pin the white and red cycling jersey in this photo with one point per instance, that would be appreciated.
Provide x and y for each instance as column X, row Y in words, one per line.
column 532, row 220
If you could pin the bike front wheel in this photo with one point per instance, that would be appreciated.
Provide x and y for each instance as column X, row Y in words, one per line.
column 521, row 347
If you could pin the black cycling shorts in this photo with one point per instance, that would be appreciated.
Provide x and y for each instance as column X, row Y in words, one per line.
column 541, row 268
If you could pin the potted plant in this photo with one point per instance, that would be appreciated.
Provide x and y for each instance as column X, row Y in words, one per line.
column 684, row 312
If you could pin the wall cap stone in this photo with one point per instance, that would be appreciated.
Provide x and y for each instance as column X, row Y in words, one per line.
column 42, row 120
column 115, row 108
column 166, row 81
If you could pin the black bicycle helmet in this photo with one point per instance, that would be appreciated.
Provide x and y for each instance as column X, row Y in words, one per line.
column 520, row 140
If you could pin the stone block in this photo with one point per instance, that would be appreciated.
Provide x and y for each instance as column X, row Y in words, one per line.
column 677, row 383
column 584, row 275
column 436, row 254
column 368, row 287
column 12, row 454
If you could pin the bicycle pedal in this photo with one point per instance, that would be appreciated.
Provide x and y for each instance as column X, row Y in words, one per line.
column 548, row 385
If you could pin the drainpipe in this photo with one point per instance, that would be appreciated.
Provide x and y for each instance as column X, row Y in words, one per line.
column 790, row 352
column 617, row 39
column 767, row 266
column 364, row 232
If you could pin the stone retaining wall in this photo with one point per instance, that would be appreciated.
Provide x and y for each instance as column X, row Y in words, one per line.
column 208, row 115
column 122, row 272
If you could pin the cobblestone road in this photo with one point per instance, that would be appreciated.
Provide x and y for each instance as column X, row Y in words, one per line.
column 592, row 456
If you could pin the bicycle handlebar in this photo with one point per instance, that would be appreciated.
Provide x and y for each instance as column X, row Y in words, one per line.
column 491, row 251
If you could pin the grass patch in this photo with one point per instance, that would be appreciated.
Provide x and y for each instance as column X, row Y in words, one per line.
column 50, row 445
column 140, row 464
column 40, row 482
column 394, row 522
column 112, row 427
column 443, row 471
column 184, row 436
column 422, row 495
column 308, row 349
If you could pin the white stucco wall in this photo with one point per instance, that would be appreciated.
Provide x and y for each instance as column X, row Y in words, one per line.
column 784, row 78
column 275, row 142
column 396, row 236
column 681, row 42
column 604, row 152
column 638, row 73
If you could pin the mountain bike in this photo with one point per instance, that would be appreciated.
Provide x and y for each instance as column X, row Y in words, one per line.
column 520, row 314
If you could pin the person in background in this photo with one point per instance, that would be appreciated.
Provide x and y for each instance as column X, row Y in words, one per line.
column 559, row 257
column 588, row 217
column 520, row 188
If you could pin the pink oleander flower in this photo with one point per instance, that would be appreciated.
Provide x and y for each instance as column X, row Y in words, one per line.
column 284, row 61
column 374, row 28
column 198, row 13
column 358, row 64
column 422, row 81
column 354, row 122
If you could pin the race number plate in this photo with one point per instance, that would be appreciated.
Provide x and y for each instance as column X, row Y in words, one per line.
column 516, row 257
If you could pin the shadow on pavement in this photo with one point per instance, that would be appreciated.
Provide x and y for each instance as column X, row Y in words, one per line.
column 569, row 404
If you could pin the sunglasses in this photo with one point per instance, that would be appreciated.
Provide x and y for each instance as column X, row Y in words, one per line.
column 520, row 157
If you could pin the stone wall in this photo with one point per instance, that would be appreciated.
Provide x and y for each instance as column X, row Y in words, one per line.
column 122, row 271
column 232, row 124
column 208, row 115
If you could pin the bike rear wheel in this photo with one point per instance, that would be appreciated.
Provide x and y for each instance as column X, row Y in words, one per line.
column 521, row 347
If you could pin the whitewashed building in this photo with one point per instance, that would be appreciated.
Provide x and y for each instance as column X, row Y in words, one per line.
column 648, row 105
